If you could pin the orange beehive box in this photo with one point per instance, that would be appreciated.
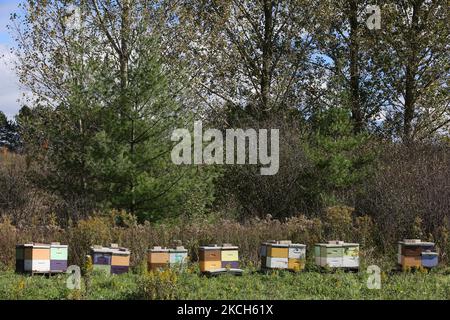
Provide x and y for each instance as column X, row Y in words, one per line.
column 411, row 262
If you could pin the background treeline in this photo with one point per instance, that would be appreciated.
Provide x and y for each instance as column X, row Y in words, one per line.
column 363, row 114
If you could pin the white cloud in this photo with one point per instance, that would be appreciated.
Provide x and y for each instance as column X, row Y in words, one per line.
column 9, row 84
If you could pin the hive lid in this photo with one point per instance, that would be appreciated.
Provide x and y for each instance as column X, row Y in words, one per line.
column 350, row 244
column 412, row 240
column 429, row 253
column 41, row 246
column 229, row 246
column 210, row 247
column 58, row 245
column 180, row 249
column 101, row 249
column 120, row 251
column 297, row 245
column 337, row 244
column 157, row 249
column 415, row 242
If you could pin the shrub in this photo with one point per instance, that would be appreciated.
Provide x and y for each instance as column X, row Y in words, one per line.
column 159, row 285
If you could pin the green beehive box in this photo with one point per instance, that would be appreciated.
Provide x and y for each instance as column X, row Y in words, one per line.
column 58, row 252
column 331, row 252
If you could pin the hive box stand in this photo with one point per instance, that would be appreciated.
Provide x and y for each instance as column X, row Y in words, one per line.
column 282, row 255
column 337, row 254
column 414, row 254
column 41, row 258
column 216, row 260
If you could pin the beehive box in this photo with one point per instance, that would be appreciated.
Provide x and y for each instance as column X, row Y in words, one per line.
column 111, row 260
column 158, row 258
column 229, row 257
column 210, row 258
column 58, row 257
column 33, row 258
column 337, row 254
column 120, row 260
column 178, row 256
column 217, row 259
column 20, row 258
column 414, row 253
column 283, row 255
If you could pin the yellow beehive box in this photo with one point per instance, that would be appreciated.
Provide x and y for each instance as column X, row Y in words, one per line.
column 296, row 264
column 275, row 250
column 229, row 253
column 411, row 262
column 206, row 266
column 120, row 258
column 158, row 255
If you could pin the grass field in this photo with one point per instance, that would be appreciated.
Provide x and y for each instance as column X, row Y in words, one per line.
column 190, row 285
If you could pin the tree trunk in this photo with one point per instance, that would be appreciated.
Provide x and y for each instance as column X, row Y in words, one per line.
column 410, row 74
column 126, row 106
column 357, row 114
column 267, row 54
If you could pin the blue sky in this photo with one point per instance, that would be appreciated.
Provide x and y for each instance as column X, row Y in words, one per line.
column 9, row 86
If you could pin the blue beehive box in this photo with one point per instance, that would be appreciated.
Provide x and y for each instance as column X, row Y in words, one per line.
column 429, row 259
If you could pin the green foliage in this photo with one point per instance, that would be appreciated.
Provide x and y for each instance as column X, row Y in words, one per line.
column 158, row 285
column 339, row 160
column 277, row 285
column 9, row 137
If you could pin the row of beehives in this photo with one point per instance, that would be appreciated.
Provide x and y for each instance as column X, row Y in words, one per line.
column 213, row 258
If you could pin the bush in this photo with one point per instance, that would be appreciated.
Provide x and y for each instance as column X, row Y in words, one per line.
column 158, row 285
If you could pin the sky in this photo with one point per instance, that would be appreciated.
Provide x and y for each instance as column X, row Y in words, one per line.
column 9, row 85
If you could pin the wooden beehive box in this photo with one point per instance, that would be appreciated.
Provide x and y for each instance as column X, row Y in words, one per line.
column 101, row 259
column 210, row 258
column 37, row 258
column 414, row 253
column 120, row 260
column 58, row 257
column 229, row 256
column 178, row 256
column 297, row 257
column 337, row 254
column 158, row 258
column 41, row 258
column 215, row 259
column 283, row 255
column 111, row 260
column 20, row 258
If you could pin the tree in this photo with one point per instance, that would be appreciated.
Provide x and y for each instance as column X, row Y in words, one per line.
column 105, row 110
column 344, row 43
column 412, row 55
column 9, row 137
column 251, row 55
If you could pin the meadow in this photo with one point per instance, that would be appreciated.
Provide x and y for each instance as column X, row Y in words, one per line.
column 252, row 285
